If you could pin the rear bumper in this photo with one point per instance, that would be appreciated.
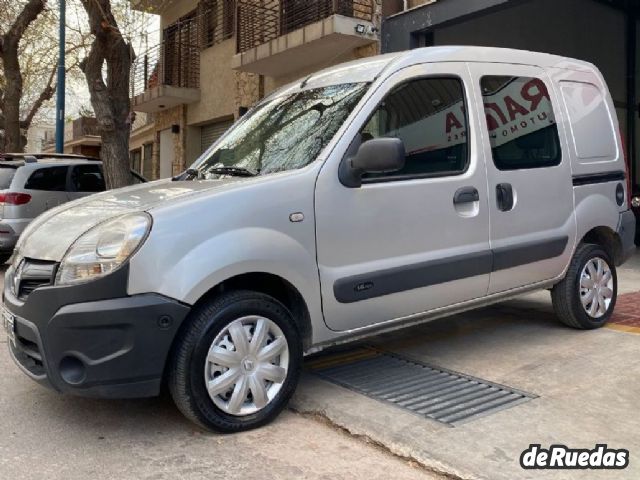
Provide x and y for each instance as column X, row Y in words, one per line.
column 627, row 234
column 108, row 348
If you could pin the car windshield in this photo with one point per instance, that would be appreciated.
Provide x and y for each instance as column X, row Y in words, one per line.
column 285, row 133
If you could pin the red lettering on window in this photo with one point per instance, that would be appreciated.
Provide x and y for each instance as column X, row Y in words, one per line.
column 534, row 91
column 452, row 122
column 496, row 109
column 514, row 108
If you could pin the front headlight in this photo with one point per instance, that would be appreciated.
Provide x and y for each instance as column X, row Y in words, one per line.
column 103, row 249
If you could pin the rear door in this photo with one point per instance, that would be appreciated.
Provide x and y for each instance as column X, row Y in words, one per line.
column 47, row 186
column 529, row 177
column 85, row 180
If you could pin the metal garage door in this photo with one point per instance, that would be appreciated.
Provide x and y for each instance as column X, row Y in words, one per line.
column 210, row 133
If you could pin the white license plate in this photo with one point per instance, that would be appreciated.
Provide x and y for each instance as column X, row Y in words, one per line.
column 9, row 323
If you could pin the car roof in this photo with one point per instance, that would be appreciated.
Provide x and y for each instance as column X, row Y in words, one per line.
column 38, row 156
column 370, row 68
column 17, row 160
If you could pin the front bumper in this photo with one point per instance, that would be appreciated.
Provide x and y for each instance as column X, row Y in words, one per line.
column 93, row 339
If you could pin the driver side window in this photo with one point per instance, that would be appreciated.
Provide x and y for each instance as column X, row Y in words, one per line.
column 429, row 116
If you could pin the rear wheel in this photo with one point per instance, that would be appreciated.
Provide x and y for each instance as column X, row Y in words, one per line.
column 237, row 362
column 586, row 297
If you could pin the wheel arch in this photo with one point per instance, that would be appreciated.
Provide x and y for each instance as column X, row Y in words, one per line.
column 275, row 286
column 607, row 239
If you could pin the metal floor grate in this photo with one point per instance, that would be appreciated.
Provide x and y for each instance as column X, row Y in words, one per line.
column 433, row 392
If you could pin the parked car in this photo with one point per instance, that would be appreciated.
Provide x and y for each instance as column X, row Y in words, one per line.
column 31, row 184
column 367, row 197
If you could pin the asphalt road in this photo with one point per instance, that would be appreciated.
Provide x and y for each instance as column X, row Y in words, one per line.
column 44, row 435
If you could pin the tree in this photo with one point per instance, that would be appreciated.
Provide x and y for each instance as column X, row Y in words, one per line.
column 28, row 79
column 12, row 88
column 110, row 95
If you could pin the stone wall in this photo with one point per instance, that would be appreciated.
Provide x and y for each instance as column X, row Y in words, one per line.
column 249, row 89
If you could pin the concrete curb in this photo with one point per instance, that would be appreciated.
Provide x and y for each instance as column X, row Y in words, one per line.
column 317, row 397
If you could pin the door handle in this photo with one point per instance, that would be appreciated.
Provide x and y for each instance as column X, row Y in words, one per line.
column 466, row 195
column 504, row 196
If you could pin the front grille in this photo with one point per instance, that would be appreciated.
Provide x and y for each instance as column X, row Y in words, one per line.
column 32, row 274
column 28, row 286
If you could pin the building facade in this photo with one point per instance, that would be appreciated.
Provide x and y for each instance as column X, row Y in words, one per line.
column 40, row 136
column 81, row 138
column 217, row 58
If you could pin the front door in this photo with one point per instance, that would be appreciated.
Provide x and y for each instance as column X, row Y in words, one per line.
column 417, row 239
column 530, row 183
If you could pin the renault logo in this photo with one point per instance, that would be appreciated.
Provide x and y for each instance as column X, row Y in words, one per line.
column 17, row 276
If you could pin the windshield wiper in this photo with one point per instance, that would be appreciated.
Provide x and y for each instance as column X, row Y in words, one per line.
column 189, row 174
column 233, row 171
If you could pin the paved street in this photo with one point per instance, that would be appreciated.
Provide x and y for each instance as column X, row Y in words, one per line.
column 586, row 383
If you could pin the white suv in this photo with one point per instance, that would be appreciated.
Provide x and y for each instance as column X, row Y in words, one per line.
column 31, row 184
column 366, row 197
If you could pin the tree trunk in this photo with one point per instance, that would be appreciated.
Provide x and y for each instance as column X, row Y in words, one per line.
column 110, row 96
column 13, row 94
column 9, row 43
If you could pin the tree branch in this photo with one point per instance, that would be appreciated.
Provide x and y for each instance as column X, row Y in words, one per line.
column 28, row 14
column 44, row 96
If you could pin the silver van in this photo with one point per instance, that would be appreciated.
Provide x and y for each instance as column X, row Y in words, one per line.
column 370, row 196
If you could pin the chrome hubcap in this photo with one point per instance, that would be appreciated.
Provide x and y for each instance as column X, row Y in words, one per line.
column 596, row 287
column 246, row 365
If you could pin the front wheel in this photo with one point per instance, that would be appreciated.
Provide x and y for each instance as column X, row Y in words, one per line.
column 586, row 297
column 237, row 362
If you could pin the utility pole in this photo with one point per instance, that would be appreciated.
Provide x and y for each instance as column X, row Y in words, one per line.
column 61, row 82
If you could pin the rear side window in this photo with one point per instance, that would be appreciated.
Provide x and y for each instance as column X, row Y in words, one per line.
column 522, row 126
column 50, row 179
column 429, row 116
column 87, row 178
column 590, row 122
column 6, row 177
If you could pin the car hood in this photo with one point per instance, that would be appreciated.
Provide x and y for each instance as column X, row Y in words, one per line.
column 51, row 234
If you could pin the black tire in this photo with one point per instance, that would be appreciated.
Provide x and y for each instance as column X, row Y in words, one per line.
column 4, row 258
column 186, row 369
column 566, row 294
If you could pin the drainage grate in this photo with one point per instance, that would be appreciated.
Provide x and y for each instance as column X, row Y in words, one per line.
column 433, row 392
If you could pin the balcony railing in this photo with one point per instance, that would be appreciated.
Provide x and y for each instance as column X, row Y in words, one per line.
column 172, row 64
column 261, row 23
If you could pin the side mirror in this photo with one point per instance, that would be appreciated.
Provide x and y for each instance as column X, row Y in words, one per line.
column 378, row 155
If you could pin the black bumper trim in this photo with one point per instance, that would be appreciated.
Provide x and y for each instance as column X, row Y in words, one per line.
column 104, row 347
column 627, row 232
